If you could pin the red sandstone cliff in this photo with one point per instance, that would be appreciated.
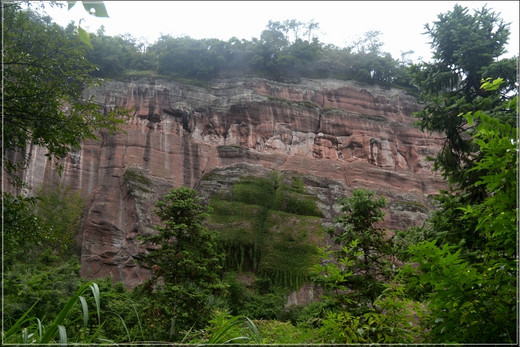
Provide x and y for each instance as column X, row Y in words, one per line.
column 342, row 135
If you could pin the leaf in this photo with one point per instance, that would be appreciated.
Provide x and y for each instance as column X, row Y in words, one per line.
column 97, row 9
column 71, row 4
column 25, row 335
column 40, row 328
column 49, row 334
column 85, row 37
column 85, row 311
column 63, row 335
column 95, row 291
column 469, row 118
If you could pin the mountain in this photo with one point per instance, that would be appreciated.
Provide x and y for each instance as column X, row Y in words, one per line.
column 334, row 136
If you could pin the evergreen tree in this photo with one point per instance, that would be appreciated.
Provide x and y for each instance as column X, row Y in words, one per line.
column 183, row 256
column 466, row 50
column 361, row 264
column 471, row 292
column 468, row 266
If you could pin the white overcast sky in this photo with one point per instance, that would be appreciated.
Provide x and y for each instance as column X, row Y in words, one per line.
column 341, row 22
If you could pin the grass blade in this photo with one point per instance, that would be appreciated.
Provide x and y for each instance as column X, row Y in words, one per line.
column 63, row 335
column 139, row 320
column 25, row 335
column 95, row 291
column 187, row 334
column 234, row 339
column 40, row 329
column 94, row 336
column 85, row 312
column 220, row 334
column 254, row 330
column 106, row 341
column 15, row 329
column 124, row 326
column 53, row 328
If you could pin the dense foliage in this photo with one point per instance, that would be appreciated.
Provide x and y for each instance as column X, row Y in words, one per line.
column 186, row 265
column 470, row 291
column 469, row 261
column 44, row 73
column 285, row 50
column 364, row 244
column 466, row 50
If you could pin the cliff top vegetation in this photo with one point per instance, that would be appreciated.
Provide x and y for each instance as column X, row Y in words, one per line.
column 286, row 50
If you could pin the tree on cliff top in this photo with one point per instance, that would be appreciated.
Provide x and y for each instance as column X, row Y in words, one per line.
column 44, row 74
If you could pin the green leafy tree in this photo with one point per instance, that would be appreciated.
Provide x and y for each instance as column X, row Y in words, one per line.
column 471, row 293
column 466, row 49
column 60, row 209
column 467, row 267
column 111, row 55
column 21, row 227
column 185, row 258
column 361, row 264
column 369, row 43
column 361, row 213
column 189, row 58
column 39, row 258
column 389, row 320
column 44, row 74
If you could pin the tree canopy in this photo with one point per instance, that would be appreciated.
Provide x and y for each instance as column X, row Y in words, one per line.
column 45, row 71
column 467, row 48
column 468, row 262
column 363, row 246
column 469, row 265
column 285, row 50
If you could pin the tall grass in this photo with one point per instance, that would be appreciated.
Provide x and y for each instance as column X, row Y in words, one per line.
column 30, row 330
column 227, row 333
column 226, row 329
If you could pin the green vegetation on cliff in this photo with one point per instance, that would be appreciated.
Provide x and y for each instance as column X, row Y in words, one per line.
column 270, row 227
column 281, row 53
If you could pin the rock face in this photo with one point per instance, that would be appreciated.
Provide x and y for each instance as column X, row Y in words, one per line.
column 339, row 135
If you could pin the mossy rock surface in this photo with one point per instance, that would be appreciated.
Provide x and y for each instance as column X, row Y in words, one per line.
column 269, row 226
column 410, row 206
column 235, row 220
column 136, row 179
column 291, row 247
